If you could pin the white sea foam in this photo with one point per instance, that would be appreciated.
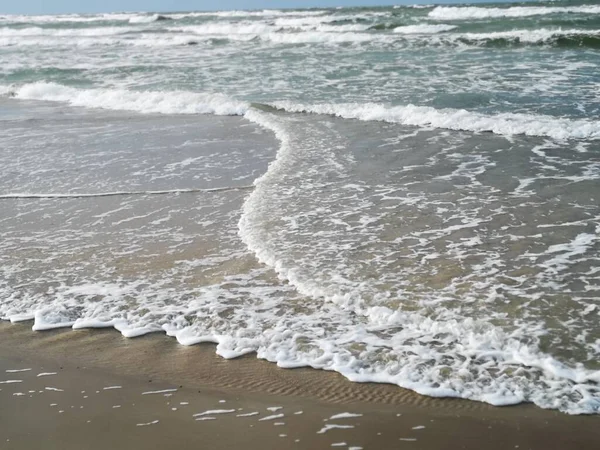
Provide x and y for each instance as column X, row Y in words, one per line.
column 154, row 422
column 334, row 426
column 326, row 22
column 344, row 415
column 269, row 13
column 202, row 103
column 267, row 33
column 409, row 359
column 306, row 21
column 38, row 31
column 138, row 40
column 478, row 339
column 506, row 123
column 126, row 100
column 147, row 19
column 119, row 194
column 54, row 18
column 271, row 417
column 214, row 411
column 424, row 28
column 162, row 391
column 317, row 37
column 198, row 103
column 537, row 36
column 227, row 29
column 476, row 12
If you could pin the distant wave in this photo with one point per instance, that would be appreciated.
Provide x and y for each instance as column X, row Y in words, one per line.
column 424, row 28
column 82, row 32
column 275, row 33
column 261, row 13
column 475, row 12
column 553, row 37
column 140, row 40
column 147, row 17
column 226, row 28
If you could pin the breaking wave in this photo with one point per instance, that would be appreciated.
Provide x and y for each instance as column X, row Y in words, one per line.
column 181, row 102
column 474, row 12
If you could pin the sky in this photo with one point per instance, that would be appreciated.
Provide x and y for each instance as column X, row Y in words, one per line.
column 89, row 6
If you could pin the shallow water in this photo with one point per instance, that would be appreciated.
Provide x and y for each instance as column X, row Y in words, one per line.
column 409, row 196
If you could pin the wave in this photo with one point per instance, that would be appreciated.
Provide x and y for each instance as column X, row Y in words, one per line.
column 74, row 18
column 140, row 17
column 261, row 13
column 454, row 119
column 141, row 40
column 320, row 37
column 558, row 37
column 475, row 12
column 320, row 33
column 85, row 32
column 192, row 35
column 432, row 355
column 451, row 366
column 174, row 102
column 413, row 6
column 227, row 29
column 149, row 19
column 181, row 102
column 424, row 28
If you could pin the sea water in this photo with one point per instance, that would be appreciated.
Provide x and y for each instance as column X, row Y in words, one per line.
column 406, row 195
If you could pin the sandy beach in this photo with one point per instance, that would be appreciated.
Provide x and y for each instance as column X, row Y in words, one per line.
column 66, row 389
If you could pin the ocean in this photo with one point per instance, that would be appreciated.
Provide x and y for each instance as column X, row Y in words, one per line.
column 405, row 195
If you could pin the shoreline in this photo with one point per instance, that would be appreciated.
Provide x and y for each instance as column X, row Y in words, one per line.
column 247, row 385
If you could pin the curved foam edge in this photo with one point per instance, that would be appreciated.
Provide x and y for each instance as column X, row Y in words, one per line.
column 502, row 346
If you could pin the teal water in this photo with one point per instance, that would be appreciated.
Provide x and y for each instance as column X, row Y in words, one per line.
column 489, row 59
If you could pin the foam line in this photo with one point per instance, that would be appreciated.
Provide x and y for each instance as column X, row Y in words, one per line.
column 122, row 193
column 475, row 12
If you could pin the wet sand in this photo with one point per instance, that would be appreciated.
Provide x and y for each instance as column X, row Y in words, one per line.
column 66, row 389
